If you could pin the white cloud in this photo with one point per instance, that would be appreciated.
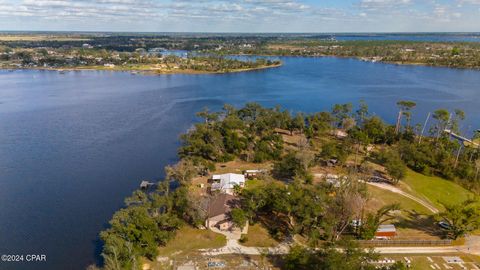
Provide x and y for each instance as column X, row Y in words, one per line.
column 235, row 15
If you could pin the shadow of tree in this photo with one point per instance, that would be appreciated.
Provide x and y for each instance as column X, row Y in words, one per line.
column 276, row 261
column 421, row 222
column 277, row 227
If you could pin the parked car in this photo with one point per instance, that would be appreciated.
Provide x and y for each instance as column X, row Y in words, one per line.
column 444, row 225
column 216, row 264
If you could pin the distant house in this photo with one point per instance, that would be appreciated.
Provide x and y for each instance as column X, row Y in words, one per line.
column 387, row 231
column 225, row 183
column 218, row 211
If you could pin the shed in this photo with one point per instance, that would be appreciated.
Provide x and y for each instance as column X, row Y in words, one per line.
column 253, row 173
column 386, row 231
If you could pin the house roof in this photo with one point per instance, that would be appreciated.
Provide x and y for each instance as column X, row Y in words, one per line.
column 228, row 180
column 254, row 171
column 386, row 228
column 221, row 204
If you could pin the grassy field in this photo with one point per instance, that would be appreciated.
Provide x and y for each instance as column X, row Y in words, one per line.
column 413, row 222
column 380, row 197
column 189, row 239
column 258, row 236
column 254, row 183
column 435, row 189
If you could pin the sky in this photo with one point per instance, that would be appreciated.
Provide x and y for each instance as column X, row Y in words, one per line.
column 319, row 16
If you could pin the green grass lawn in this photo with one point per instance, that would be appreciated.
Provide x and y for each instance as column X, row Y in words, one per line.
column 254, row 183
column 189, row 239
column 413, row 222
column 258, row 236
column 435, row 189
column 380, row 197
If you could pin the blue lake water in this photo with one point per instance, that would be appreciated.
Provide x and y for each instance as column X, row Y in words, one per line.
column 73, row 145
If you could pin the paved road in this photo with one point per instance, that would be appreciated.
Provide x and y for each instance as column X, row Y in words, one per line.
column 233, row 247
column 472, row 246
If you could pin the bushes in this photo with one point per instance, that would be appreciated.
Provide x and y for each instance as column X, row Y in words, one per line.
column 291, row 166
column 334, row 150
column 438, row 157
column 268, row 148
column 134, row 232
column 239, row 217
column 148, row 221
column 248, row 133
column 394, row 165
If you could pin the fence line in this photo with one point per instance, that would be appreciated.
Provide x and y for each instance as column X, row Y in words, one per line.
column 405, row 242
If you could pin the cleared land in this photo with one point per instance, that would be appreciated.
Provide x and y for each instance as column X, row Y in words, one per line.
column 258, row 236
column 189, row 239
column 380, row 197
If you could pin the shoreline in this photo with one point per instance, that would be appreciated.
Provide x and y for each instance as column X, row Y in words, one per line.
column 143, row 71
column 362, row 59
column 200, row 72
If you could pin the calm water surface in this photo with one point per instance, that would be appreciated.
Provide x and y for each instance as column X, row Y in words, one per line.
column 73, row 146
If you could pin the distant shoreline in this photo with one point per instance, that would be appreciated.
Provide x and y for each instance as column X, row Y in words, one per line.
column 362, row 59
column 144, row 71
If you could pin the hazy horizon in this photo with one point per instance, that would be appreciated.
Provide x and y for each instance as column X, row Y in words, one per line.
column 233, row 32
column 241, row 16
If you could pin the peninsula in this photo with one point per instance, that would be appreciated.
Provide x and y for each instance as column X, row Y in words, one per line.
column 289, row 191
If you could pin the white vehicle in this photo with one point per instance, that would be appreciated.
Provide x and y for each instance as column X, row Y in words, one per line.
column 444, row 225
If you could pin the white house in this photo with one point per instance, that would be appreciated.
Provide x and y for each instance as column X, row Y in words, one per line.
column 225, row 183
